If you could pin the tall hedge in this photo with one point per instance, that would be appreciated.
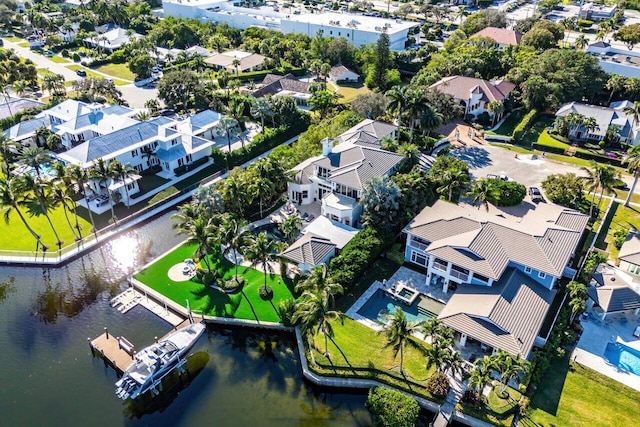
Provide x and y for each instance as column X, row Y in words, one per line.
column 391, row 408
column 505, row 193
column 524, row 124
column 358, row 255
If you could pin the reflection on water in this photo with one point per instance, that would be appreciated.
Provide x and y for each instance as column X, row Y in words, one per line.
column 7, row 287
column 128, row 252
column 172, row 385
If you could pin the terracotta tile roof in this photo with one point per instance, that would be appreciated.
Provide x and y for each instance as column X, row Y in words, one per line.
column 500, row 35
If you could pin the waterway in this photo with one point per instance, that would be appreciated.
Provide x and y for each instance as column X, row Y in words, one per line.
column 48, row 376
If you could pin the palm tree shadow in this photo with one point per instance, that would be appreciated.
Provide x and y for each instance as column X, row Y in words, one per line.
column 344, row 356
column 216, row 302
column 255, row 315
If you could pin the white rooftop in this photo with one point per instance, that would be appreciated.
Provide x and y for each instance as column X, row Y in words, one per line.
column 352, row 21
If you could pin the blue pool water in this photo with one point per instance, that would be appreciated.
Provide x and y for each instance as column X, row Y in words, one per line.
column 625, row 358
column 381, row 304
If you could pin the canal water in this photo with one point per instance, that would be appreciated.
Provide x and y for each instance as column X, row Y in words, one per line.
column 48, row 376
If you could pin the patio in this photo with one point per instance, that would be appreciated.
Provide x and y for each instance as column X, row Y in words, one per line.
column 597, row 333
column 413, row 279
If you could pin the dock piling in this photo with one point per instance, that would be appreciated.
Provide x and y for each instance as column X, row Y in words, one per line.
column 106, row 332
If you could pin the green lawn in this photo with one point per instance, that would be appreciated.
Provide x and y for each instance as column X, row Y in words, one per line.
column 116, row 70
column 356, row 345
column 350, row 91
column 495, row 409
column 59, row 59
column 76, row 67
column 571, row 395
column 208, row 301
column 19, row 238
column 23, row 44
column 13, row 39
column 548, row 141
column 622, row 218
column 510, row 123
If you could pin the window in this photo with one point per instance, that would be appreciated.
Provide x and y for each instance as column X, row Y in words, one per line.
column 305, row 194
column 527, row 270
column 134, row 153
column 188, row 158
column 542, row 275
column 339, row 33
column 322, row 172
column 418, row 259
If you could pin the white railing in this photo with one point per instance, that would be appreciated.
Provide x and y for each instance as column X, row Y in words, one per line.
column 459, row 275
column 440, row 267
column 418, row 245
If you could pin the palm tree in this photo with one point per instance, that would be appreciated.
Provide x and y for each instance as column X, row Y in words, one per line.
column 201, row 234
column 461, row 13
column 314, row 312
column 225, row 127
column 60, row 195
column 35, row 157
column 143, row 115
column 615, row 83
column 261, row 107
column 101, row 172
column 452, row 179
column 397, row 96
column 291, row 227
column 495, row 108
column 633, row 166
column 398, row 334
column 262, row 252
column 20, row 87
column 437, row 356
column 480, row 191
column 430, row 120
column 7, row 150
column 435, row 329
column 39, row 189
column 236, row 64
column 581, row 42
column 81, row 178
column 481, row 373
column 263, row 189
column 319, row 280
column 234, row 236
column 11, row 194
column 577, row 306
column 569, row 24
column 122, row 172
column 599, row 177
column 509, row 367
column 234, row 193
column 634, row 111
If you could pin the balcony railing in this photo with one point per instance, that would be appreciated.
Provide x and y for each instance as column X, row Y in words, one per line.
column 419, row 245
column 459, row 275
column 440, row 267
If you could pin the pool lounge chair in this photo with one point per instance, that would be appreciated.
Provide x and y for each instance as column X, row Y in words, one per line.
column 636, row 333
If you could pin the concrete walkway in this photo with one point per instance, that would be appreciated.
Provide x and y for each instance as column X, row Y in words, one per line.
column 449, row 406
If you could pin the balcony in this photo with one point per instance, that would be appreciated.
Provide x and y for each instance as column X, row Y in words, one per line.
column 440, row 267
column 419, row 245
column 464, row 276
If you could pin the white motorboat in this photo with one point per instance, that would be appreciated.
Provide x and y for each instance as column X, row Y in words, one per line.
column 152, row 363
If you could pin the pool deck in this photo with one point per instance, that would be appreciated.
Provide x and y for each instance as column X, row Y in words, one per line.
column 402, row 278
column 593, row 342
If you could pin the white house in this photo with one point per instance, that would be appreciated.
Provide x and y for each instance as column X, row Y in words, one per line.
column 336, row 178
column 112, row 40
column 623, row 62
column 340, row 73
column 358, row 29
column 604, row 116
column 504, row 270
column 597, row 12
column 246, row 61
column 474, row 95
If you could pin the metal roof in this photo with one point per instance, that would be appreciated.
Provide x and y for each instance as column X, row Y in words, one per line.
column 309, row 249
column 495, row 315
column 614, row 290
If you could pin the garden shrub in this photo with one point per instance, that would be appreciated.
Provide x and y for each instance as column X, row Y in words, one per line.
column 265, row 292
column 593, row 259
column 505, row 193
column 584, row 23
column 64, row 53
column 471, row 397
column 285, row 310
column 75, row 57
column 524, row 125
column 392, row 408
column 438, row 384
column 358, row 255
column 619, row 236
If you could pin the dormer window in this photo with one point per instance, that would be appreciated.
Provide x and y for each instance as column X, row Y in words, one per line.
column 323, row 172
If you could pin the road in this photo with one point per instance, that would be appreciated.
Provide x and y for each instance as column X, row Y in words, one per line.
column 135, row 96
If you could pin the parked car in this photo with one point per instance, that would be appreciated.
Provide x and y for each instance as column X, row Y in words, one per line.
column 81, row 73
column 535, row 194
column 501, row 176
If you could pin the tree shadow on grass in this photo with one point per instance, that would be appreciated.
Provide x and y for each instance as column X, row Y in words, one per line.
column 215, row 302
column 549, row 392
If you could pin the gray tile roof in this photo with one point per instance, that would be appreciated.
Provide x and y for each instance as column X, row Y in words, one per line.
column 25, row 129
column 13, row 105
column 309, row 249
column 355, row 166
column 368, row 133
column 486, row 243
column 630, row 250
column 611, row 291
column 273, row 84
column 204, row 119
column 460, row 87
column 495, row 315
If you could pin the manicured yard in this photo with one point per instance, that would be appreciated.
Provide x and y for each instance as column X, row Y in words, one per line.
column 626, row 218
column 510, row 123
column 355, row 345
column 13, row 39
column 350, row 91
column 116, row 70
column 23, row 44
column 208, row 301
column 571, row 395
column 59, row 59
column 19, row 238
column 548, row 141
column 76, row 67
column 496, row 410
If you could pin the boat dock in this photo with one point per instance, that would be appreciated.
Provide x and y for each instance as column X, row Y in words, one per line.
column 118, row 351
column 132, row 297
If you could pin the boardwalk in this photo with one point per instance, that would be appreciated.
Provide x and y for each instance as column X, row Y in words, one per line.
column 116, row 351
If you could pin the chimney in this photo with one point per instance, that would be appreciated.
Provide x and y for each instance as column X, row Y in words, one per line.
column 327, row 146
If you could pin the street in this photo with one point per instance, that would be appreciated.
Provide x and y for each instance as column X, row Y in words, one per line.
column 135, row 96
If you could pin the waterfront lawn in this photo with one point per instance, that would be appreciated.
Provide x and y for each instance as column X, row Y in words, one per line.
column 208, row 301
column 17, row 238
column 357, row 346
column 494, row 409
column 570, row 394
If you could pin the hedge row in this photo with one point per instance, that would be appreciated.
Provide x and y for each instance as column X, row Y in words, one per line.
column 358, row 255
column 524, row 125
column 181, row 170
column 581, row 154
column 266, row 140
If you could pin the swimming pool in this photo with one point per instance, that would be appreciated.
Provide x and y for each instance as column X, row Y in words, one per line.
column 273, row 232
column 625, row 358
column 381, row 304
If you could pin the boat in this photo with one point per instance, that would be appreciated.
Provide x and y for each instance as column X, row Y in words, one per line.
column 152, row 363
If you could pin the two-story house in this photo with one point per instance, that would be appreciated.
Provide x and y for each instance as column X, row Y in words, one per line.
column 95, row 123
column 336, row 178
column 503, row 270
column 474, row 95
